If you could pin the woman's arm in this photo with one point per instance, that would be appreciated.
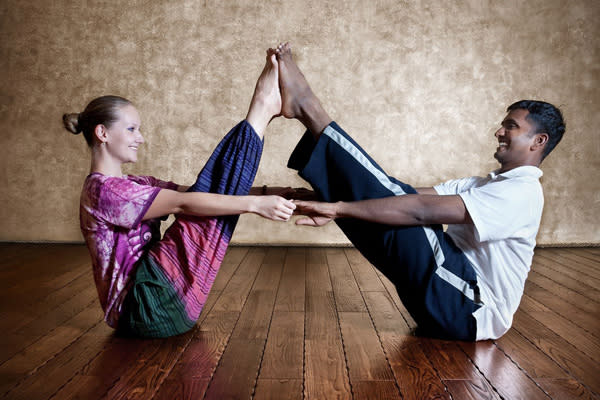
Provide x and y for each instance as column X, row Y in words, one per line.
column 211, row 204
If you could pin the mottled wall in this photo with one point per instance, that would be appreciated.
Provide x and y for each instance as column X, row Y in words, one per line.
column 421, row 84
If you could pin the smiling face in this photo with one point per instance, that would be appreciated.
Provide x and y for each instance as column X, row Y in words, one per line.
column 518, row 143
column 123, row 137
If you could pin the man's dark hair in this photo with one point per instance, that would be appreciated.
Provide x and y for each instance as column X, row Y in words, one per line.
column 547, row 118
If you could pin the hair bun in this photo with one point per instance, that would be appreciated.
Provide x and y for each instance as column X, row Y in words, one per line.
column 71, row 123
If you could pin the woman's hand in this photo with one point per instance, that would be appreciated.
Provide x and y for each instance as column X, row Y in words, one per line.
column 316, row 213
column 275, row 208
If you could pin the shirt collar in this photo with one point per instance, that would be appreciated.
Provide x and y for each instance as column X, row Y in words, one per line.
column 526, row 171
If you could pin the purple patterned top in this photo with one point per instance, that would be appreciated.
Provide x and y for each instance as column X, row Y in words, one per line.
column 111, row 212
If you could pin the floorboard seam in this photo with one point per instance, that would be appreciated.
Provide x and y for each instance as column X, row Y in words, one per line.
column 520, row 368
column 387, row 359
column 557, row 313
column 554, row 361
column 339, row 326
column 481, row 372
column 34, row 371
column 262, row 355
column 212, row 374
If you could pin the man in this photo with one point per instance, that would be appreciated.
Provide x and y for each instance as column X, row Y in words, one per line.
column 465, row 283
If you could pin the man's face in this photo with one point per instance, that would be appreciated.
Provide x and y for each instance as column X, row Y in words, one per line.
column 516, row 137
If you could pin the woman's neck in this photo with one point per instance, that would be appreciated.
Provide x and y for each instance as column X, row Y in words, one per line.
column 104, row 164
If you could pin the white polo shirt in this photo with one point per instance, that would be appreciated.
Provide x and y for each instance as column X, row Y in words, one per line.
column 506, row 210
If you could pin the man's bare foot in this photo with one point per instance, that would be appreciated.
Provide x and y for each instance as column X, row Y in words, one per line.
column 266, row 101
column 298, row 100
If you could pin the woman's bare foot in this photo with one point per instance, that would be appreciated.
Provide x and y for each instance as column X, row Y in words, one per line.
column 266, row 101
column 298, row 100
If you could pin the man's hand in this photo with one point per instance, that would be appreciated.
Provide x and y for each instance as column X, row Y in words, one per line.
column 316, row 213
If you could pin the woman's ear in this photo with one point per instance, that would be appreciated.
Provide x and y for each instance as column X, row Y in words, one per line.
column 101, row 133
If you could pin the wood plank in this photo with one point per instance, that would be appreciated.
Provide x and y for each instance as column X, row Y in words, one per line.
column 143, row 379
column 414, row 373
column 570, row 296
column 182, row 389
column 364, row 273
column 568, row 263
column 529, row 357
column 504, row 375
column 569, row 254
column 104, row 370
column 562, row 352
column 40, row 352
column 284, row 352
column 37, row 328
column 563, row 327
column 226, row 271
column 291, row 294
column 316, row 255
column 275, row 255
column 235, row 293
column 203, row 353
column 452, row 365
column 592, row 253
column 24, row 313
column 466, row 389
column 255, row 317
column 55, row 373
column 346, row 292
column 583, row 284
column 566, row 389
column 366, row 360
column 386, row 317
column 325, row 372
column 236, row 374
column 277, row 389
column 235, row 254
column 579, row 317
column 375, row 390
column 393, row 293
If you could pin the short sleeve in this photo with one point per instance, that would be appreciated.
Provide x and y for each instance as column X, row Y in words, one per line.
column 123, row 202
column 456, row 186
column 501, row 208
column 152, row 181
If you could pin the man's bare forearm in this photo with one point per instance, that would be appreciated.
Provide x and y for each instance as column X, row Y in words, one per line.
column 412, row 209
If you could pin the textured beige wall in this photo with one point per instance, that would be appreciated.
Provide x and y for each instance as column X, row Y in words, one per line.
column 422, row 85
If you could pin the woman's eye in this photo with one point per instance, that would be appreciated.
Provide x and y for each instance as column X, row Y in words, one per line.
column 131, row 129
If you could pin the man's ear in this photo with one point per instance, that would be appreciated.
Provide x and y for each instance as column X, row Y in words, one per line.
column 101, row 133
column 539, row 141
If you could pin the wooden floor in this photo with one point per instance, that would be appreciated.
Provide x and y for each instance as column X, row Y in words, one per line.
column 292, row 323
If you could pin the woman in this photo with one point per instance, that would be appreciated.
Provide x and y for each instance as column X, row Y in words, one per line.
column 150, row 287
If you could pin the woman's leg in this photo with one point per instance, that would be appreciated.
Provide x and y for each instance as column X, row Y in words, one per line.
column 193, row 248
column 175, row 278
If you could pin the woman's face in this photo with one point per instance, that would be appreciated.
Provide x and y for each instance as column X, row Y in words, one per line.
column 124, row 136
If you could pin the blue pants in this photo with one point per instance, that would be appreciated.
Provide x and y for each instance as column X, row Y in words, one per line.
column 435, row 281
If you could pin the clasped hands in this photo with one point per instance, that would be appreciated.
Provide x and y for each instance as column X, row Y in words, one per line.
column 315, row 213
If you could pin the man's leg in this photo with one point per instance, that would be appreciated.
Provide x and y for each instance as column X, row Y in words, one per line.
column 433, row 278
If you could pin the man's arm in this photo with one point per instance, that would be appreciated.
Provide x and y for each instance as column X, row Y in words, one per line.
column 410, row 209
